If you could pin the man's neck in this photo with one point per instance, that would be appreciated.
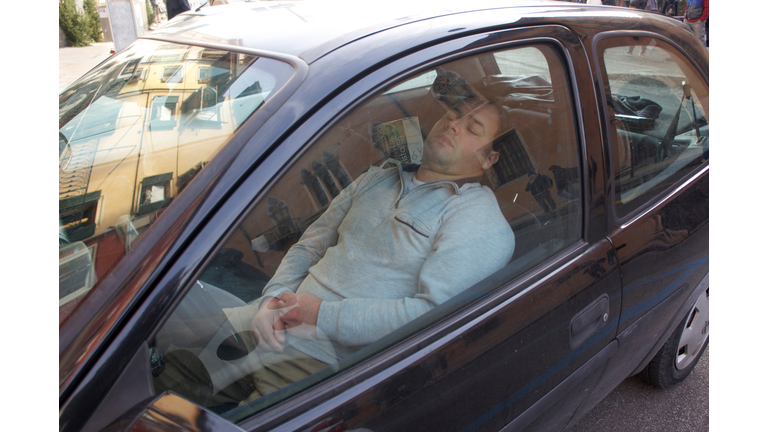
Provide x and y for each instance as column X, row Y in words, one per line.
column 428, row 176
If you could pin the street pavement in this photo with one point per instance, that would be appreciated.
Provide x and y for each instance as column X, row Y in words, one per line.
column 74, row 62
column 636, row 406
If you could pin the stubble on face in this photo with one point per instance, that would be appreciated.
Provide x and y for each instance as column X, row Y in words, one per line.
column 457, row 148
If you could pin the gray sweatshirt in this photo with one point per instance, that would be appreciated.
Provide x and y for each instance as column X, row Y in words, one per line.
column 379, row 257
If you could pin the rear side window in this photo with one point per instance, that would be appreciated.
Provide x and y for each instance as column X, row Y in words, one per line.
column 388, row 252
column 658, row 113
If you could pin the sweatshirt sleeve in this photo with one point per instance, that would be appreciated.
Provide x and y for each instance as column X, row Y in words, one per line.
column 320, row 236
column 471, row 244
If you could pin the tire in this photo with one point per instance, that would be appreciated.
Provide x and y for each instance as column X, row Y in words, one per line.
column 680, row 354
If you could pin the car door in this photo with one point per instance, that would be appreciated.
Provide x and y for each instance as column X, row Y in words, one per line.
column 657, row 121
column 515, row 349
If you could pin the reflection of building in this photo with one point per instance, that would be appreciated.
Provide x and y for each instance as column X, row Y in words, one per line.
column 325, row 180
column 124, row 158
column 514, row 161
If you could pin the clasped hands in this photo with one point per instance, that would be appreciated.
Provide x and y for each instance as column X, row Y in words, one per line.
column 295, row 313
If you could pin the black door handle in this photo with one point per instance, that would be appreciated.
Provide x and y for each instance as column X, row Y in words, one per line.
column 587, row 322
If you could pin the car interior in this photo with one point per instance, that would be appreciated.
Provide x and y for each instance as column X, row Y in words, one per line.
column 659, row 128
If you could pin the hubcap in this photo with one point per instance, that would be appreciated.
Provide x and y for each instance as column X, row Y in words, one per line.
column 695, row 332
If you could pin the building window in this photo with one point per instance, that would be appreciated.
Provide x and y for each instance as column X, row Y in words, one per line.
column 338, row 171
column 202, row 106
column 129, row 71
column 187, row 176
column 77, row 216
column 514, row 161
column 164, row 113
column 139, row 75
column 173, row 74
column 315, row 189
column 322, row 173
column 204, row 75
column 154, row 193
column 77, row 270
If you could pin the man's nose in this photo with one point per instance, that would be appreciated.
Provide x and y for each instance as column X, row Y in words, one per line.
column 455, row 125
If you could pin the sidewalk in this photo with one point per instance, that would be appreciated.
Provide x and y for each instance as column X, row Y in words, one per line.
column 74, row 62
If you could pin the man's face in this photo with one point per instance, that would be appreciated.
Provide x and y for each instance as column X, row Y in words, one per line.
column 461, row 146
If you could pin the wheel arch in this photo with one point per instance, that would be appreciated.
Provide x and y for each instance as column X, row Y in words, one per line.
column 681, row 313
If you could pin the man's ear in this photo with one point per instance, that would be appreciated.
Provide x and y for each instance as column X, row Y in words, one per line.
column 492, row 158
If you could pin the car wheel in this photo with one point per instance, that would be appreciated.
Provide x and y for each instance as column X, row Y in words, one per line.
column 679, row 355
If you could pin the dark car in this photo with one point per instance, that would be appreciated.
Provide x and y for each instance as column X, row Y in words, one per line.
column 205, row 163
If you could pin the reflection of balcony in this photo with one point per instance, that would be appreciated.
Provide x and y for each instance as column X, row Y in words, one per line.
column 278, row 236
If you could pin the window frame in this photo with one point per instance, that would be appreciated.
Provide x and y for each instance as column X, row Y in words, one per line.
column 651, row 203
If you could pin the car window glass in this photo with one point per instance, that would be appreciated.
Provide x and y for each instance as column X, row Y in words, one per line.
column 384, row 249
column 525, row 61
column 132, row 135
column 658, row 108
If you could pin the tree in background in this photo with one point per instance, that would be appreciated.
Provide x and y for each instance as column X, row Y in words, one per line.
column 151, row 15
column 74, row 24
column 92, row 21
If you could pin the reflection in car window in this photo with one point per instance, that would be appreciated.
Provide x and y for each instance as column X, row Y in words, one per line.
column 385, row 221
column 659, row 118
column 132, row 135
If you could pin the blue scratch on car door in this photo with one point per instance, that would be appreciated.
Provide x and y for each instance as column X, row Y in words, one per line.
column 539, row 380
column 647, row 305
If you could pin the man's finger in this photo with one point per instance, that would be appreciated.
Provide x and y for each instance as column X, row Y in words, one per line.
column 272, row 304
column 270, row 341
column 290, row 298
column 279, row 327
column 292, row 317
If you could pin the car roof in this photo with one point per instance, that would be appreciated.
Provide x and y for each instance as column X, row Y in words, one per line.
column 312, row 28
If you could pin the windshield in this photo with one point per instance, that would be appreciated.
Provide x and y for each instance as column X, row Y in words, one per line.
column 132, row 135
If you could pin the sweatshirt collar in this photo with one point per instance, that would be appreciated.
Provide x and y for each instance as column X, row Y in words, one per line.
column 411, row 167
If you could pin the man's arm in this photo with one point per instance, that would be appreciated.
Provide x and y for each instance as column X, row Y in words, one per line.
column 294, row 267
column 321, row 235
column 472, row 243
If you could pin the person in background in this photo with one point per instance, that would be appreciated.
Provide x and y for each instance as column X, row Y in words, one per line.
column 650, row 5
column 669, row 8
column 565, row 178
column 176, row 7
column 539, row 186
column 696, row 14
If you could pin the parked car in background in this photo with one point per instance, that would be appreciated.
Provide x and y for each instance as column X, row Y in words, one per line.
column 191, row 162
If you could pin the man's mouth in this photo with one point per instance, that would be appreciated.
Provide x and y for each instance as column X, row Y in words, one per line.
column 444, row 141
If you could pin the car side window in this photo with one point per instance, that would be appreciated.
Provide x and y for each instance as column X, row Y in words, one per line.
column 658, row 109
column 133, row 134
column 395, row 216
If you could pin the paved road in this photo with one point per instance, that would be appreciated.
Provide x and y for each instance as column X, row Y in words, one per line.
column 636, row 406
column 74, row 62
